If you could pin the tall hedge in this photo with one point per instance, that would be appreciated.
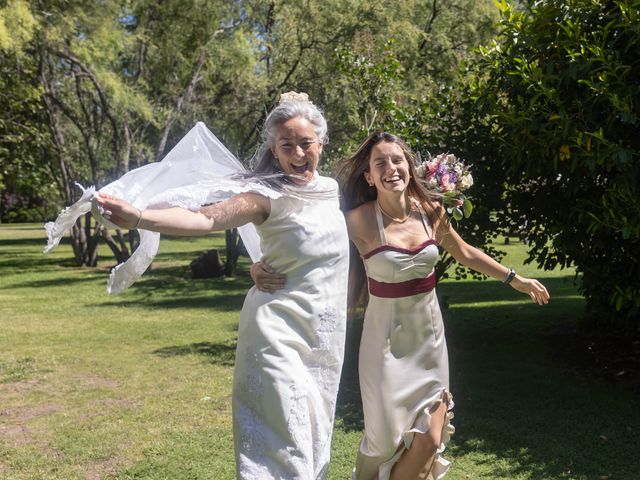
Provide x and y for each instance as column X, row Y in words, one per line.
column 559, row 90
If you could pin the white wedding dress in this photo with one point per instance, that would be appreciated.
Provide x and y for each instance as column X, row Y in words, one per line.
column 291, row 343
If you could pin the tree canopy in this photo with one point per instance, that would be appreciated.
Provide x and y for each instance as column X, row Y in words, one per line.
column 545, row 110
column 557, row 96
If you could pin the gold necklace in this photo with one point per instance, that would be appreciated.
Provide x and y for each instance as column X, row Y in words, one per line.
column 394, row 219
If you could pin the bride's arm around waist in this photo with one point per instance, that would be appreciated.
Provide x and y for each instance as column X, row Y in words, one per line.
column 232, row 213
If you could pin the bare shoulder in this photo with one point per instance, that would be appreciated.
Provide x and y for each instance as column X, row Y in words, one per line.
column 361, row 215
column 360, row 224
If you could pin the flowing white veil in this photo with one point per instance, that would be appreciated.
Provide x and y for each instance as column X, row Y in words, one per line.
column 199, row 170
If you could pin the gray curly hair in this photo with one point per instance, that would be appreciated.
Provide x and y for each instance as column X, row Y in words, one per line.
column 291, row 105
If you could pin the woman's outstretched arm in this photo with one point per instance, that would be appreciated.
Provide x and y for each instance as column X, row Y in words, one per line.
column 234, row 212
column 481, row 262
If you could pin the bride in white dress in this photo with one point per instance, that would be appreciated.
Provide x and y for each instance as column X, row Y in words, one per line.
column 290, row 343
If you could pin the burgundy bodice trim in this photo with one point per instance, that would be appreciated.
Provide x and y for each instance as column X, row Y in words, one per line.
column 402, row 289
column 409, row 251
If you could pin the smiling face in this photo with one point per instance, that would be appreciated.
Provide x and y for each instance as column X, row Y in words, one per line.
column 388, row 168
column 297, row 149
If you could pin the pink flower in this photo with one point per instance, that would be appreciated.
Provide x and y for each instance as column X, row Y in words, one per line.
column 445, row 183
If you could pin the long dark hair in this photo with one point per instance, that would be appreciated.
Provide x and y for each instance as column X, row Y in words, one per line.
column 356, row 191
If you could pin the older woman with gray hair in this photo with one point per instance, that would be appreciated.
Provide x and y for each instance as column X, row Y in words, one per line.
column 290, row 342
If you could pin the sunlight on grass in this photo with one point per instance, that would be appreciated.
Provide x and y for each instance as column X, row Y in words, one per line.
column 138, row 386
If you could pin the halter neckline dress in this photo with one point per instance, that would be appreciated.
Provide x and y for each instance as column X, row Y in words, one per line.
column 403, row 363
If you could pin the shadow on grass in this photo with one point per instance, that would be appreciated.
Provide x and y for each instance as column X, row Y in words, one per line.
column 170, row 288
column 217, row 353
column 228, row 303
column 26, row 254
column 23, row 242
column 513, row 400
column 30, row 263
column 349, row 404
column 464, row 291
column 53, row 282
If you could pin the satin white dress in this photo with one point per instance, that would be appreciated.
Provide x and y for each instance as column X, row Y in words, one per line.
column 403, row 364
column 291, row 344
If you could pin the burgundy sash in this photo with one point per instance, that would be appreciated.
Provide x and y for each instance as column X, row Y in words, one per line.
column 402, row 289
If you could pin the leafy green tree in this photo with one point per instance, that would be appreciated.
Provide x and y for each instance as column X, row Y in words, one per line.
column 329, row 56
column 24, row 181
column 412, row 86
column 114, row 85
column 77, row 47
column 115, row 82
column 190, row 60
column 405, row 56
column 559, row 91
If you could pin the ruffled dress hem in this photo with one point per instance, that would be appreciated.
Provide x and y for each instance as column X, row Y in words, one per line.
column 440, row 466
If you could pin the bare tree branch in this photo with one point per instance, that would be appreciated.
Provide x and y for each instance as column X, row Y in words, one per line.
column 103, row 102
column 56, row 133
column 429, row 26
column 188, row 93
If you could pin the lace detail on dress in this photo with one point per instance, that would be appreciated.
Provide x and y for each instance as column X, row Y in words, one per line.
column 252, row 440
column 299, row 427
column 252, row 389
column 250, row 418
column 328, row 321
column 325, row 366
column 252, row 383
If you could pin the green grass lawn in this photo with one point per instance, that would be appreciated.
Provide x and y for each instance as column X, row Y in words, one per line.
column 137, row 386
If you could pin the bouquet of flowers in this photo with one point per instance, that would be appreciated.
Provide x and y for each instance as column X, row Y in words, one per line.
column 446, row 174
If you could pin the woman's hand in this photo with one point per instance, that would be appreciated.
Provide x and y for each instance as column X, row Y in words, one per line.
column 117, row 211
column 531, row 287
column 266, row 278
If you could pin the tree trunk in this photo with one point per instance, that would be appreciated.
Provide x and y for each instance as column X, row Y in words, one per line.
column 134, row 240
column 117, row 245
column 233, row 245
column 84, row 241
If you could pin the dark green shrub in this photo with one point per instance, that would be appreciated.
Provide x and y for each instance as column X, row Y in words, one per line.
column 559, row 90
